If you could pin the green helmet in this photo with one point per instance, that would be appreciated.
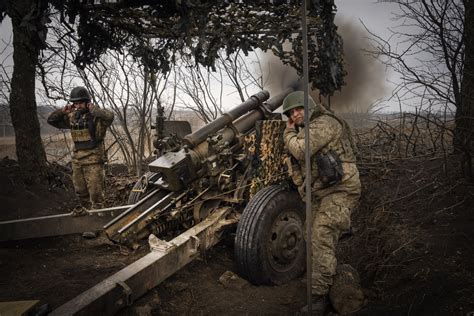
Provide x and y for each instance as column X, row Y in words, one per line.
column 79, row 94
column 296, row 100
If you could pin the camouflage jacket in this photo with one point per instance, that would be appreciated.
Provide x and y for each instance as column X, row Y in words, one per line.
column 101, row 119
column 327, row 132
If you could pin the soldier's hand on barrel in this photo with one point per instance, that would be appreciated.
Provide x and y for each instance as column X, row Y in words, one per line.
column 290, row 123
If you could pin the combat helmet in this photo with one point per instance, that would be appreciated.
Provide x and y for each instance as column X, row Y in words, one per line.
column 295, row 100
column 79, row 94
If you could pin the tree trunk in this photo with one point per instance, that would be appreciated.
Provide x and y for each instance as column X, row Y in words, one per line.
column 29, row 147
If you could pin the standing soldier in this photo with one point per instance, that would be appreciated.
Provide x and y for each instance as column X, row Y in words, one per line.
column 88, row 124
column 335, row 184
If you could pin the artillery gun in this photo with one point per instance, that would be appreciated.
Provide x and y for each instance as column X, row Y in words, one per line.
column 209, row 170
column 201, row 185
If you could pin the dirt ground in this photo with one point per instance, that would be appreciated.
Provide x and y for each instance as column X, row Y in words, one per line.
column 412, row 245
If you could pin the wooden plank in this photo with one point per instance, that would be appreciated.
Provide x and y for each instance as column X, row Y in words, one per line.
column 17, row 308
column 130, row 283
column 60, row 224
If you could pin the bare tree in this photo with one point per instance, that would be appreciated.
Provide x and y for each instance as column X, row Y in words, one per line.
column 131, row 91
column 202, row 90
column 118, row 82
column 5, row 81
column 465, row 114
column 429, row 57
column 241, row 74
column 199, row 90
column 5, row 71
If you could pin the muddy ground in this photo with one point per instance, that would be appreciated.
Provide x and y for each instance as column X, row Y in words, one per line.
column 413, row 247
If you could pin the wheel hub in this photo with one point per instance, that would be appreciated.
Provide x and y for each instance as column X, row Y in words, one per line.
column 285, row 240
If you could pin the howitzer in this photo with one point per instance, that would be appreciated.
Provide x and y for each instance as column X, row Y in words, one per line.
column 210, row 170
column 199, row 186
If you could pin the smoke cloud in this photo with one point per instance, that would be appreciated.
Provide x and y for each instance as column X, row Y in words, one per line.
column 365, row 79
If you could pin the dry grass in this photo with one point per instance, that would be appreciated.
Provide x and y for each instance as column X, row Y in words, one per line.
column 411, row 181
column 58, row 148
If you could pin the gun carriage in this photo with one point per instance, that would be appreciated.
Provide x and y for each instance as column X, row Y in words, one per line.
column 228, row 173
column 209, row 170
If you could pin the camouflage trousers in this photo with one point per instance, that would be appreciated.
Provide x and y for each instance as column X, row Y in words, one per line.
column 331, row 217
column 89, row 182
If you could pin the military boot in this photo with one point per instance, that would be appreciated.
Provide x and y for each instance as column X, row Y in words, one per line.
column 319, row 305
column 79, row 211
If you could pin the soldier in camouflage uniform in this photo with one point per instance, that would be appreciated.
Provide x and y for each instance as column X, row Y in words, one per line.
column 88, row 125
column 334, row 181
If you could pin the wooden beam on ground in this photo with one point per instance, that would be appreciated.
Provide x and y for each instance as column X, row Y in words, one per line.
column 17, row 308
column 127, row 285
column 60, row 224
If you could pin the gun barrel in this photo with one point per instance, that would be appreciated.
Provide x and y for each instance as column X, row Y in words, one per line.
column 242, row 125
column 183, row 165
column 247, row 122
column 201, row 134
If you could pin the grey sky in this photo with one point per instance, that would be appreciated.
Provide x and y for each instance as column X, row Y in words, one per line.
column 376, row 15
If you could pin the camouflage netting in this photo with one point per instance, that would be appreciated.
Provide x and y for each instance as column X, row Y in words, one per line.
column 266, row 148
column 160, row 32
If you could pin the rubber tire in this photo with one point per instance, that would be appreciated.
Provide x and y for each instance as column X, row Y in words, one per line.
column 134, row 197
column 253, row 233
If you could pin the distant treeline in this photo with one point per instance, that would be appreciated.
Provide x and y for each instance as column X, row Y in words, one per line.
column 6, row 127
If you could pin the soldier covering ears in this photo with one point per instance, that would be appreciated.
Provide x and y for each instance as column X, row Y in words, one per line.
column 335, row 184
column 88, row 124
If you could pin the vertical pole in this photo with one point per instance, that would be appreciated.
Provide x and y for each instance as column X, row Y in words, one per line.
column 309, row 219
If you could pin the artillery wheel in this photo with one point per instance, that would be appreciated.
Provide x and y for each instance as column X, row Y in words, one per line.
column 269, row 246
column 141, row 187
